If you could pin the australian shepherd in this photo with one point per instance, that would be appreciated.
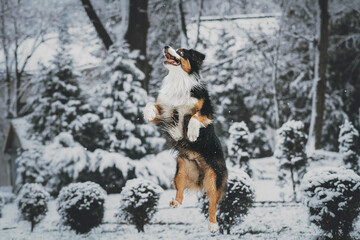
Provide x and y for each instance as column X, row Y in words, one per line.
column 184, row 112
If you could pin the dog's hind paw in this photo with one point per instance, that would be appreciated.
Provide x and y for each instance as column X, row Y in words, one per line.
column 150, row 112
column 174, row 204
column 213, row 227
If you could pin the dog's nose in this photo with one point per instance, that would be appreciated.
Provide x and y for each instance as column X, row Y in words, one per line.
column 166, row 47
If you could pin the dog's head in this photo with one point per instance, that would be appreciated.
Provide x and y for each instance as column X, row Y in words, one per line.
column 189, row 60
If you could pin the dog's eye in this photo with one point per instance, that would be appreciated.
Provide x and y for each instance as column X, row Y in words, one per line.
column 181, row 53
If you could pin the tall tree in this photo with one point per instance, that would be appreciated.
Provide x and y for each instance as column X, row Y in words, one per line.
column 21, row 35
column 99, row 27
column 319, row 85
column 136, row 35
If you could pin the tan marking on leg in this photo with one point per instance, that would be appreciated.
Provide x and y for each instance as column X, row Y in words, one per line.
column 203, row 119
column 212, row 193
column 198, row 105
column 180, row 180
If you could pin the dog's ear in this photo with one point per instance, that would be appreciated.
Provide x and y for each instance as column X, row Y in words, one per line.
column 197, row 56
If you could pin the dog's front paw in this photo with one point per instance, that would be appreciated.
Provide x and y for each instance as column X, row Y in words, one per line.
column 174, row 204
column 194, row 129
column 213, row 227
column 150, row 112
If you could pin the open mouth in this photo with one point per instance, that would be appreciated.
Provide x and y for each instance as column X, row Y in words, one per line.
column 170, row 59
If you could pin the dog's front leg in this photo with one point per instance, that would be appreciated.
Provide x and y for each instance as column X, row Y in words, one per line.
column 180, row 181
column 196, row 122
column 151, row 111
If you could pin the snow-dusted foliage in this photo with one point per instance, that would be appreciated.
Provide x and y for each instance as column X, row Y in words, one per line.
column 333, row 198
column 81, row 206
column 7, row 197
column 121, row 107
column 158, row 168
column 59, row 102
column 238, row 145
column 236, row 202
column 32, row 202
column 260, row 141
column 32, row 168
column 110, row 170
column 89, row 132
column 290, row 151
column 65, row 160
column 53, row 166
column 61, row 106
column 349, row 145
column 138, row 202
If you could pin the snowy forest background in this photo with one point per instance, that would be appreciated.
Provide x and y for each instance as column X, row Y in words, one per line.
column 75, row 76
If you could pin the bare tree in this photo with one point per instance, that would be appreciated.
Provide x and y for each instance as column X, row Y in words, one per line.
column 136, row 35
column 319, row 84
column 5, row 48
column 16, row 33
column 101, row 31
column 182, row 25
column 198, row 23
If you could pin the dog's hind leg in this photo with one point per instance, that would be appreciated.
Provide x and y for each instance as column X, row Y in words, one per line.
column 214, row 196
column 180, row 182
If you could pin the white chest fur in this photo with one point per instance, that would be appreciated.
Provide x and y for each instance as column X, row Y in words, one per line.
column 175, row 94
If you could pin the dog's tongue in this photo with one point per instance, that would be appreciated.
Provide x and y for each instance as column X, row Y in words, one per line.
column 170, row 61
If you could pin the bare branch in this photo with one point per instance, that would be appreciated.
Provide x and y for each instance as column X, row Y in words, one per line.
column 298, row 36
column 198, row 23
column 238, row 55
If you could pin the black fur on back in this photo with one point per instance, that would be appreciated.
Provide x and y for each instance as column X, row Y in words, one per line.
column 208, row 144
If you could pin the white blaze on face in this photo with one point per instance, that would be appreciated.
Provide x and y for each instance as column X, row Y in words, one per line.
column 172, row 52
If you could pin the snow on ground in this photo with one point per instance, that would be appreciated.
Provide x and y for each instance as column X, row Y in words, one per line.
column 265, row 221
column 269, row 220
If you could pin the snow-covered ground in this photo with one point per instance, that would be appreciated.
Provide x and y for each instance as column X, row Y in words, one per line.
column 269, row 220
column 264, row 221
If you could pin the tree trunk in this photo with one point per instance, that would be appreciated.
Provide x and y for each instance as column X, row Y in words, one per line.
column 32, row 225
column 319, row 87
column 293, row 184
column 17, row 75
column 182, row 26
column 101, row 31
column 4, row 43
column 198, row 23
column 136, row 35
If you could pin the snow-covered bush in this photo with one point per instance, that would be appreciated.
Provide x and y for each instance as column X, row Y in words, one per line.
column 31, row 168
column 333, row 198
column 110, row 170
column 237, row 201
column 32, row 202
column 238, row 146
column 349, row 145
column 66, row 159
column 7, row 197
column 138, row 202
column 290, row 151
column 157, row 168
column 81, row 206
